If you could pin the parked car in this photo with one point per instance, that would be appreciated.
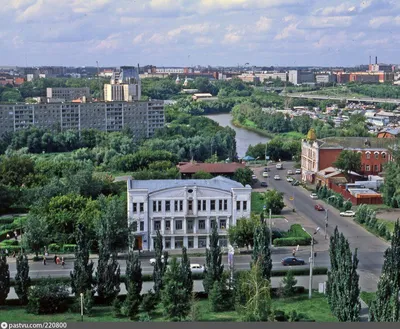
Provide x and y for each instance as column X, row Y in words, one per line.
column 253, row 177
column 290, row 261
column 265, row 174
column 298, row 171
column 295, row 183
column 153, row 260
column 264, row 184
column 290, row 172
column 319, row 207
column 277, row 177
column 196, row 268
column 348, row 213
column 266, row 169
column 314, row 196
column 289, row 179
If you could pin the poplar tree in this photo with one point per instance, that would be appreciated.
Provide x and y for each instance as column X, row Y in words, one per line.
column 22, row 279
column 261, row 250
column 82, row 275
column 4, row 280
column 186, row 272
column 214, row 266
column 133, row 284
column 160, row 265
column 386, row 306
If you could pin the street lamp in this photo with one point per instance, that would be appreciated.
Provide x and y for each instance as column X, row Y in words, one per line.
column 82, row 307
column 311, row 260
column 269, row 225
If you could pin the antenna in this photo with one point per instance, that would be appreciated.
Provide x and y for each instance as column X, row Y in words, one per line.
column 98, row 79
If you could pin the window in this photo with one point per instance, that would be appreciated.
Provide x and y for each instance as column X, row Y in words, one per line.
column 212, row 223
column 167, row 243
column 167, row 225
column 383, row 155
column 376, row 155
column 141, row 207
column 167, row 205
column 202, row 224
column 178, row 225
column 176, row 205
column 159, row 206
column 180, row 205
column 142, row 226
column 220, row 205
column 223, row 242
column 237, row 205
column 190, row 205
column 199, row 205
column 190, row 242
column 204, row 205
column 154, row 206
column 157, row 225
column 202, row 242
column 134, row 207
column 367, row 168
column 368, row 155
column 225, row 204
column 376, row 168
column 178, row 243
column 222, row 224
column 212, row 204
column 244, row 205
column 134, row 226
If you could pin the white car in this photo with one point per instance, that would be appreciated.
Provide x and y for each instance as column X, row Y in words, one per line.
column 196, row 268
column 265, row 174
column 289, row 179
column 277, row 177
column 348, row 213
column 313, row 196
column 153, row 260
column 254, row 177
column 290, row 172
column 298, row 171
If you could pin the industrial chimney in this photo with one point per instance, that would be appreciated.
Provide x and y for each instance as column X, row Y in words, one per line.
column 370, row 60
column 376, row 59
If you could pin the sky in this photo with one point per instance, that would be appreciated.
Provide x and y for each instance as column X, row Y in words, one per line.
column 198, row 32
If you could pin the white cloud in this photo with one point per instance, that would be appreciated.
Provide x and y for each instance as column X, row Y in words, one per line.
column 330, row 22
column 129, row 20
column 332, row 40
column 191, row 29
column 263, row 24
column 289, row 31
column 231, row 38
column 377, row 22
column 138, row 39
column 112, row 42
column 203, row 40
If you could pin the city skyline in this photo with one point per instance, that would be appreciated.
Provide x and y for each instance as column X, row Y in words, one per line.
column 181, row 33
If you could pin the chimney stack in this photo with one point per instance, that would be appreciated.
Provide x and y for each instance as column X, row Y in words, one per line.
column 376, row 59
column 370, row 60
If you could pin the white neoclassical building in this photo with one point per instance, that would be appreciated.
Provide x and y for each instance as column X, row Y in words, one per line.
column 185, row 210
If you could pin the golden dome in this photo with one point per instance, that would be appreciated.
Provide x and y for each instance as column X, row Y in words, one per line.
column 311, row 136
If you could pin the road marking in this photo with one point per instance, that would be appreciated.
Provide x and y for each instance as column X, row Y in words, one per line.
column 286, row 220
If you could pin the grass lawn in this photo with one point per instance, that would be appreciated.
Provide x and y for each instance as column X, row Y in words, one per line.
column 317, row 308
column 367, row 297
column 257, row 202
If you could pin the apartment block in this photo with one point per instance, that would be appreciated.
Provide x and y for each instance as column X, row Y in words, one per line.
column 67, row 94
column 185, row 211
column 143, row 118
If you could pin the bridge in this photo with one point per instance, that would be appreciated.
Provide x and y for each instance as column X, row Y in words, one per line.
column 344, row 98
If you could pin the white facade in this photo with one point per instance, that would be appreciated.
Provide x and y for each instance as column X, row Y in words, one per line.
column 185, row 210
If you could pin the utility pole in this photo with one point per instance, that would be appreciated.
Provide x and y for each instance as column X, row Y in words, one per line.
column 311, row 260
column 270, row 228
column 326, row 223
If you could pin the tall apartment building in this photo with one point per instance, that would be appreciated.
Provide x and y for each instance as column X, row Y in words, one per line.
column 143, row 118
column 298, row 77
column 67, row 94
column 185, row 211
column 124, row 86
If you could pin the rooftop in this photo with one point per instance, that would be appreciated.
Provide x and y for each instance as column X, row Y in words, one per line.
column 219, row 182
column 212, row 168
column 356, row 143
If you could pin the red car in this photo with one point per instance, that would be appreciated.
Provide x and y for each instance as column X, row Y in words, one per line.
column 319, row 207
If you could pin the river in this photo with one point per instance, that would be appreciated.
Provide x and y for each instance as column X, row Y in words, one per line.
column 244, row 137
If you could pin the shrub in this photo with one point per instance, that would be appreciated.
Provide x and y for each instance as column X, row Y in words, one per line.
column 291, row 242
column 48, row 297
column 116, row 306
column 69, row 247
column 289, row 283
column 11, row 242
column 149, row 302
column 220, row 296
column 54, row 247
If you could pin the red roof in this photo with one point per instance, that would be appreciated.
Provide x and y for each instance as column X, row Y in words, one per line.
column 212, row 168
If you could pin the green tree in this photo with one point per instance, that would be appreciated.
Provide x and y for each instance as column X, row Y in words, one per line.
column 289, row 283
column 261, row 250
column 386, row 306
column 243, row 176
column 214, row 266
column 15, row 169
column 36, row 233
column 348, row 161
column 160, row 265
column 82, row 276
column 220, row 296
column 133, row 284
column 274, row 201
column 242, row 234
column 257, row 151
column 256, row 295
column 4, row 280
column 186, row 272
column 175, row 299
column 107, row 275
column 22, row 279
column 343, row 289
column 202, row 175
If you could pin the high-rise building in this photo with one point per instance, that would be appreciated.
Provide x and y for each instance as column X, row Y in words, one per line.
column 124, row 86
column 67, row 94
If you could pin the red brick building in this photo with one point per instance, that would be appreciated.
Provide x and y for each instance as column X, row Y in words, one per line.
column 388, row 133
column 187, row 169
column 317, row 155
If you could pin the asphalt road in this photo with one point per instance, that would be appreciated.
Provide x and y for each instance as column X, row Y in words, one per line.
column 350, row 99
column 370, row 248
column 37, row 269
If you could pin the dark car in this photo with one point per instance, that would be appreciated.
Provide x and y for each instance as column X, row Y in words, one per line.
column 319, row 207
column 264, row 184
column 290, row 261
column 266, row 169
column 295, row 183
